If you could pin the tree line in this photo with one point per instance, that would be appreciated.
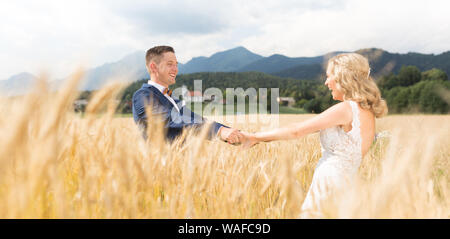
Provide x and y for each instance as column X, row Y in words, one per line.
column 408, row 91
column 413, row 91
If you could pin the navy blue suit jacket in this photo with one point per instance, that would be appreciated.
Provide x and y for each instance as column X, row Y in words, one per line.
column 174, row 121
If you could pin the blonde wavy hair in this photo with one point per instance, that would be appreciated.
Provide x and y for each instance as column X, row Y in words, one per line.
column 352, row 76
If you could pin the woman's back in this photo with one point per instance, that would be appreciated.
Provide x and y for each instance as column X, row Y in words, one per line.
column 367, row 119
column 367, row 128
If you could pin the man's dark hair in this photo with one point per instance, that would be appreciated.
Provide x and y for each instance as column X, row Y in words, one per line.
column 156, row 52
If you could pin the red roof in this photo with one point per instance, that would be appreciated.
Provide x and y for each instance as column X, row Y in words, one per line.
column 195, row 93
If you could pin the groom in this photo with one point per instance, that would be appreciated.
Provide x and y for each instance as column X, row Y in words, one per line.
column 162, row 66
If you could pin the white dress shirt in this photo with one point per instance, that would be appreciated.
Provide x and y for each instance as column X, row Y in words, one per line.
column 161, row 88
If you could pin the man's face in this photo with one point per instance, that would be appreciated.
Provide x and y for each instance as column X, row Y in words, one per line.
column 166, row 71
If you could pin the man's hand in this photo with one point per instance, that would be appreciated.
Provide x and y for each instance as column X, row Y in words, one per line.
column 230, row 135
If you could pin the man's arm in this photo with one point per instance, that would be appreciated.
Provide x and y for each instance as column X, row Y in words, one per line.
column 224, row 132
column 172, row 119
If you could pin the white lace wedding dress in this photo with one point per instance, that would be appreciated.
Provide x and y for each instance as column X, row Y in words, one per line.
column 341, row 158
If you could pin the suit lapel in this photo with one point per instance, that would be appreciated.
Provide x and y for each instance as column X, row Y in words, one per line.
column 160, row 96
column 179, row 104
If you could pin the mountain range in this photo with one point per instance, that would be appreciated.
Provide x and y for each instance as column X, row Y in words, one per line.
column 17, row 84
column 239, row 59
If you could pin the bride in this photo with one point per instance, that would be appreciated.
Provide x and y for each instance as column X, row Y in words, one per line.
column 347, row 129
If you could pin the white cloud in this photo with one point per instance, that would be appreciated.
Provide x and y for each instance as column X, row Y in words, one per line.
column 398, row 26
column 60, row 35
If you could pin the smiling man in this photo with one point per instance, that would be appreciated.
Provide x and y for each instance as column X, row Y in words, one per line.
column 162, row 66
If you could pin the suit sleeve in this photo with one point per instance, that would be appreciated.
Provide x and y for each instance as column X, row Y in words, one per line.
column 200, row 120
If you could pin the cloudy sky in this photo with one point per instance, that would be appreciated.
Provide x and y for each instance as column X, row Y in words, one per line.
column 59, row 36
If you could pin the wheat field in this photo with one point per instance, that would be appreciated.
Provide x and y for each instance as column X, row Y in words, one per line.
column 57, row 164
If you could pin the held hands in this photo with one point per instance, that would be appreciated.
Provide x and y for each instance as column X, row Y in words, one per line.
column 231, row 136
column 236, row 137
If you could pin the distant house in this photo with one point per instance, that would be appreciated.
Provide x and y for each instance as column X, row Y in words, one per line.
column 195, row 96
column 286, row 101
column 80, row 105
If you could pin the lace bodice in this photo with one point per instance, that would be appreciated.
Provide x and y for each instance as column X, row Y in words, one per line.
column 343, row 147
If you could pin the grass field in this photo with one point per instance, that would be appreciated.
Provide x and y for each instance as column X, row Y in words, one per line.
column 55, row 164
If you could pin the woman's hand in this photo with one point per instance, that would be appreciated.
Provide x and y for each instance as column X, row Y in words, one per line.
column 249, row 140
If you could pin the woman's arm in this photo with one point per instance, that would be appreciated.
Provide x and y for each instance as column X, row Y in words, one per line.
column 339, row 114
